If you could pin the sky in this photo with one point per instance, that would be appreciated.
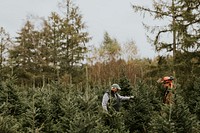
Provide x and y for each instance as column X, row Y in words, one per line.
column 113, row 16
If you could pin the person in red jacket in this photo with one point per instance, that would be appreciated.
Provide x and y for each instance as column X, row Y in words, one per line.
column 167, row 82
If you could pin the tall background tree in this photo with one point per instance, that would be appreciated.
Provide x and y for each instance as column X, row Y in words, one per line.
column 24, row 55
column 57, row 48
column 5, row 43
column 183, row 17
column 73, row 40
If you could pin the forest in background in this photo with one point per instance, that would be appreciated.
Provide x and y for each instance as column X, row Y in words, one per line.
column 52, row 81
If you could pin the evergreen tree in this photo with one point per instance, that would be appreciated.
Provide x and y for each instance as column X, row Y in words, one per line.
column 10, row 99
column 163, row 11
column 24, row 53
column 183, row 16
column 9, row 124
column 191, row 95
column 73, row 39
column 5, row 42
column 110, row 48
column 11, row 107
column 141, row 108
column 174, row 118
column 125, row 84
column 58, row 48
column 188, row 57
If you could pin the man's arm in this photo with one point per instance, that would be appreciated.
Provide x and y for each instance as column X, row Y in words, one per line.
column 125, row 97
column 105, row 101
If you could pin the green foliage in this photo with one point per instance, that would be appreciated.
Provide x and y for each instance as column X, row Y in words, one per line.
column 141, row 108
column 56, row 49
column 125, row 84
column 184, row 44
column 72, row 103
column 189, row 63
column 174, row 118
column 5, row 42
column 10, row 99
column 57, row 108
column 114, row 120
column 192, row 95
column 110, row 49
column 161, row 122
column 9, row 124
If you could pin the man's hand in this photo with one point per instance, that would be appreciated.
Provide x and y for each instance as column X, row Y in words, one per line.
column 131, row 97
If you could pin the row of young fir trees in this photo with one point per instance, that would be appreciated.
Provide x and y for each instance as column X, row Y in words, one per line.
column 46, row 88
column 57, row 108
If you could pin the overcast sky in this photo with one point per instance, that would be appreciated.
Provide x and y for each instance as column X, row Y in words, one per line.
column 114, row 16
